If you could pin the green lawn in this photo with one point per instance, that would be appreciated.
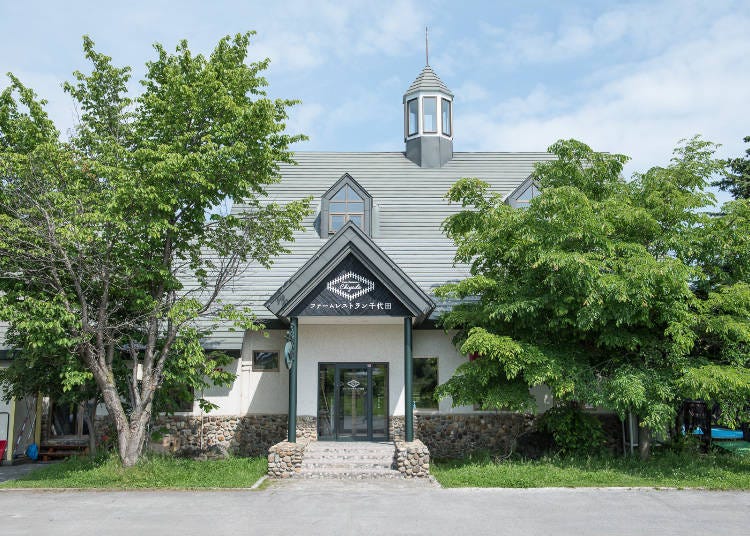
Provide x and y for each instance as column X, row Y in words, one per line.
column 667, row 470
column 153, row 472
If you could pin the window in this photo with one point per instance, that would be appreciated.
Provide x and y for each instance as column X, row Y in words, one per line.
column 265, row 361
column 412, row 115
column 345, row 201
column 345, row 206
column 528, row 194
column 522, row 196
column 429, row 115
column 445, row 108
column 425, row 382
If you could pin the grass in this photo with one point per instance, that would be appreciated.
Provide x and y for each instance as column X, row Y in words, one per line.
column 663, row 470
column 153, row 472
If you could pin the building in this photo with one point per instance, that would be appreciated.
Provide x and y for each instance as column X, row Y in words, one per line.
column 352, row 308
column 355, row 297
column 20, row 420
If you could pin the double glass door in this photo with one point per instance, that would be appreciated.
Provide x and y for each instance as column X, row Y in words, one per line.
column 353, row 401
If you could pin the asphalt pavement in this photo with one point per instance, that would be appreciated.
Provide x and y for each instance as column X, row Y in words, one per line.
column 388, row 507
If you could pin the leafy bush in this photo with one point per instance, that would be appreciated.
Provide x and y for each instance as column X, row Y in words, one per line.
column 574, row 431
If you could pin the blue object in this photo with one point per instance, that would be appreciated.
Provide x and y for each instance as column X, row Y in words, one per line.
column 32, row 451
column 724, row 433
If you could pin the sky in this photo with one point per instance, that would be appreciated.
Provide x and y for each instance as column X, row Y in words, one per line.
column 624, row 77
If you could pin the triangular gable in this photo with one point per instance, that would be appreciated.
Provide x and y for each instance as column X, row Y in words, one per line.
column 514, row 198
column 330, row 278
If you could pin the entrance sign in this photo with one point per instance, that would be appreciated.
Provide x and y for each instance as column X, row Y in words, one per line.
column 350, row 285
column 350, row 290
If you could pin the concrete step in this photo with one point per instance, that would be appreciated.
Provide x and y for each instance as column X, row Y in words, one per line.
column 352, row 460
column 346, row 465
column 349, row 474
column 334, row 456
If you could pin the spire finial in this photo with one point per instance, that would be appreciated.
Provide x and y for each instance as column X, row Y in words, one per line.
column 426, row 47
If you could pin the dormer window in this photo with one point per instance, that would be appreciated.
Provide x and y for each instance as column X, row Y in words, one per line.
column 345, row 201
column 522, row 196
column 345, row 205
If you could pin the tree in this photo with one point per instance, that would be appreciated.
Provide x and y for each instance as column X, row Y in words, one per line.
column 105, row 246
column 602, row 289
column 737, row 178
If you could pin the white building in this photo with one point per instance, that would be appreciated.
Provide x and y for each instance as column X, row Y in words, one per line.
column 358, row 286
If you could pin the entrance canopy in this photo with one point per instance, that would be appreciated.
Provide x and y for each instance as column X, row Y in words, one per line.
column 350, row 276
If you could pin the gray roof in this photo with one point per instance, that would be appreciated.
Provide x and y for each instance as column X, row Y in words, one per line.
column 408, row 209
column 428, row 81
column 350, row 240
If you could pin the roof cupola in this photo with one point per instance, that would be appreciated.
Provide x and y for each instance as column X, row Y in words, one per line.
column 428, row 120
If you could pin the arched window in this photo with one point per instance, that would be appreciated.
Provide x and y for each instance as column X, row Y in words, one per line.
column 345, row 201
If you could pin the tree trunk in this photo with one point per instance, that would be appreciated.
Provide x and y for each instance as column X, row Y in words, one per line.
column 644, row 442
column 131, row 430
column 89, row 416
column 131, row 448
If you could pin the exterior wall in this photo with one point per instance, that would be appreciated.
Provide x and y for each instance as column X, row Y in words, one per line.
column 437, row 343
column 342, row 343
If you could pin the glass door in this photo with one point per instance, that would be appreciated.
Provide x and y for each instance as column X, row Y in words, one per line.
column 353, row 413
column 353, row 401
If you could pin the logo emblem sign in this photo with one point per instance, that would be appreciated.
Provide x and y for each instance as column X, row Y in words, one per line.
column 353, row 384
column 350, row 286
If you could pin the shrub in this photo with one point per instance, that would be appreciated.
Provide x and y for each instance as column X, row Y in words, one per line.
column 574, row 431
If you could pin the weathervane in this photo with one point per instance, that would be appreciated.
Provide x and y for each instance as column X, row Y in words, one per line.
column 426, row 47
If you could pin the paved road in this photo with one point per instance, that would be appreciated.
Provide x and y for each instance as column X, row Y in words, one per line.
column 356, row 508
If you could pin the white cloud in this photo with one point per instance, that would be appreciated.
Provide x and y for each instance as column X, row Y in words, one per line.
column 698, row 85
column 471, row 91
column 646, row 27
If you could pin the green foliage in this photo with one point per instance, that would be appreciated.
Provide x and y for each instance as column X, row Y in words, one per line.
column 575, row 432
column 606, row 290
column 676, row 470
column 737, row 178
column 154, row 472
column 110, row 242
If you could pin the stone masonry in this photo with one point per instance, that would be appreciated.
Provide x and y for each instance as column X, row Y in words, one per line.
column 446, row 435
column 452, row 435
column 412, row 459
column 285, row 459
column 247, row 435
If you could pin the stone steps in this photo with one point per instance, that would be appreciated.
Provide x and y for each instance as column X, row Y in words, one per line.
column 355, row 460
column 349, row 474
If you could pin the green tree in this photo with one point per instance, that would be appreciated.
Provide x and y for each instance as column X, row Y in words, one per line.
column 603, row 289
column 737, row 178
column 105, row 243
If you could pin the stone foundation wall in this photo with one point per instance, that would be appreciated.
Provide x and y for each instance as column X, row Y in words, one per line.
column 396, row 426
column 445, row 435
column 247, row 435
column 453, row 435
column 285, row 459
column 412, row 459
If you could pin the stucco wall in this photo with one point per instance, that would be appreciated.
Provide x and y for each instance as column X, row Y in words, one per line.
column 340, row 343
column 266, row 392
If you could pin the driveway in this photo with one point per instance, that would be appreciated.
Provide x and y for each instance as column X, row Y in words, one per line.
column 361, row 508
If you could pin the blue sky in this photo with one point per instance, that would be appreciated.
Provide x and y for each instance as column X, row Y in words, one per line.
column 629, row 77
